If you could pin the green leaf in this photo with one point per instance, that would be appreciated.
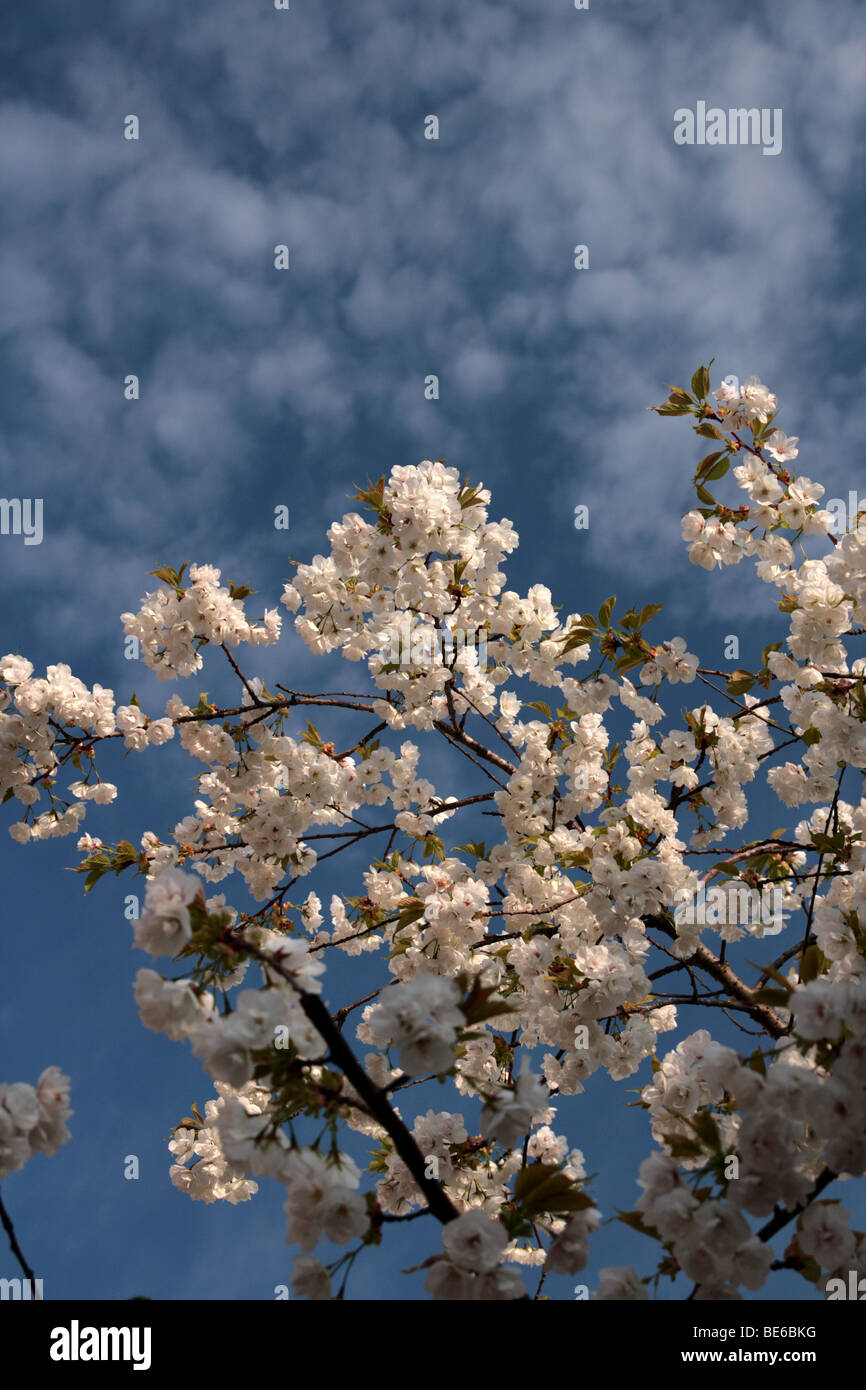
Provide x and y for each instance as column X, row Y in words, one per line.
column 740, row 682
column 707, row 1130
column 311, row 735
column 706, row 463
column 829, row 844
column 577, row 637
column 170, row 576
column 625, row 663
column 707, row 430
column 468, row 496
column 541, row 1187
column 477, row 848
column 166, row 574
column 774, row 975
column 373, row 494
column 635, row 1220
column 493, row 1008
column 718, row 470
column 483, row 1002
column 773, row 647
column 808, row 1267
column 411, row 912
column 805, row 1265
column 604, row 613
column 701, row 383
column 681, row 1147
column 541, row 706
column 777, row 997
column 96, row 871
column 812, row 964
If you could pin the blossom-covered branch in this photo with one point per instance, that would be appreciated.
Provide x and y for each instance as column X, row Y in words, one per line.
column 615, row 855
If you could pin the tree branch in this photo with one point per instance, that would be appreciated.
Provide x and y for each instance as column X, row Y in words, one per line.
column 377, row 1102
column 13, row 1242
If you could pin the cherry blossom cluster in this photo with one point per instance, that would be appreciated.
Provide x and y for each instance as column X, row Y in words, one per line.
column 782, row 1125
column 470, row 1267
column 32, row 1119
column 201, row 1168
column 177, row 620
column 710, row 1240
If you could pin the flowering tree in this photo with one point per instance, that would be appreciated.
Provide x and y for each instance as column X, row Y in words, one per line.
column 514, row 968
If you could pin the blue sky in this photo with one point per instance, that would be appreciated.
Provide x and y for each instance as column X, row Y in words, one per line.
column 408, row 257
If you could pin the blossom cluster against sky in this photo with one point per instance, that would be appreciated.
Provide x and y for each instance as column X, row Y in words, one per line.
column 258, row 388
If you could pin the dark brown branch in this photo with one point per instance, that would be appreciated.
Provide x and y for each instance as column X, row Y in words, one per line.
column 13, row 1243
column 722, row 973
column 438, row 1201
